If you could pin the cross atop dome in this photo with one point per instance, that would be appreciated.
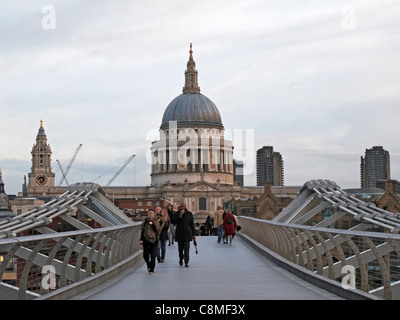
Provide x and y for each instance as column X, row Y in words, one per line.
column 41, row 130
column 191, row 52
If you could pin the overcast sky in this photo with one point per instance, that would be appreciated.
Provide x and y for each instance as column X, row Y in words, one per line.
column 317, row 80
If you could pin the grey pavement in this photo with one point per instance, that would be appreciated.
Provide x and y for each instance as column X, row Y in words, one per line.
column 218, row 271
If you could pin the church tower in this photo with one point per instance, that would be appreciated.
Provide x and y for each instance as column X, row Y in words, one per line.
column 1, row 183
column 3, row 195
column 41, row 177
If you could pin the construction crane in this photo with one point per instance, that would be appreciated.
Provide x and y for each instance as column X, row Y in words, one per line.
column 69, row 166
column 120, row 170
column 63, row 173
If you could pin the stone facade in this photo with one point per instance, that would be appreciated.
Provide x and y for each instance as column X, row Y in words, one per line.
column 189, row 155
column 23, row 204
column 201, row 198
column 267, row 203
column 389, row 200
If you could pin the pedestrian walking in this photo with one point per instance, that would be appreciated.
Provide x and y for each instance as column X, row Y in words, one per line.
column 209, row 224
column 149, row 240
column 185, row 233
column 162, row 242
column 157, row 212
column 172, row 226
column 218, row 222
column 229, row 227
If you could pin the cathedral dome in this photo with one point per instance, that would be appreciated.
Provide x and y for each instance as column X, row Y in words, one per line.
column 192, row 148
column 191, row 108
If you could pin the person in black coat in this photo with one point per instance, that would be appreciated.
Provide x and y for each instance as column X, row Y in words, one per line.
column 184, row 233
column 149, row 240
column 172, row 227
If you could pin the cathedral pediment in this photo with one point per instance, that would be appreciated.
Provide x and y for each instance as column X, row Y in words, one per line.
column 202, row 186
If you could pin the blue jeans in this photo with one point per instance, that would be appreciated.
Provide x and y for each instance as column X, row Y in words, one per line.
column 219, row 229
column 161, row 249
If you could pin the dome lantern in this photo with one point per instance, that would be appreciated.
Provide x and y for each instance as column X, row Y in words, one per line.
column 191, row 108
column 191, row 81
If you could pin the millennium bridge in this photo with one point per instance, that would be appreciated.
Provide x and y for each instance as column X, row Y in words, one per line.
column 284, row 258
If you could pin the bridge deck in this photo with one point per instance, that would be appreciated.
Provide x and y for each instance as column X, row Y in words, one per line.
column 219, row 271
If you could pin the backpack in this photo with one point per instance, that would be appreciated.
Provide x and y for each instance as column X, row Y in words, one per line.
column 229, row 220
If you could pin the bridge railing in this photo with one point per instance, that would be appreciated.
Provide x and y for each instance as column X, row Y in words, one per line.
column 32, row 266
column 368, row 261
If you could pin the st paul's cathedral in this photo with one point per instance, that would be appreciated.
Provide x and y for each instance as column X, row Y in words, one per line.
column 191, row 162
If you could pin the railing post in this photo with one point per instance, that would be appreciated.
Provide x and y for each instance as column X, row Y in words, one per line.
column 387, row 293
column 361, row 264
column 23, row 285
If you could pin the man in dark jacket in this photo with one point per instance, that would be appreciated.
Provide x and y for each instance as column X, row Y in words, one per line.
column 184, row 233
column 149, row 239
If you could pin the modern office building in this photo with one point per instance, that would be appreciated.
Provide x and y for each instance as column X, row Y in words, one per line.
column 375, row 167
column 269, row 167
column 238, row 172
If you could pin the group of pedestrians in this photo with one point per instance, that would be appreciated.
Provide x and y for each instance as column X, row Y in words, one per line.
column 155, row 231
column 226, row 224
column 163, row 225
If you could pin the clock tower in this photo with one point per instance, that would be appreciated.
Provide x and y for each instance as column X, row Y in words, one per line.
column 41, row 178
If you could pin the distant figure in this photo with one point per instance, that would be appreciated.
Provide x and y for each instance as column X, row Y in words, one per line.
column 185, row 233
column 218, row 222
column 229, row 226
column 149, row 239
column 209, row 225
column 172, row 226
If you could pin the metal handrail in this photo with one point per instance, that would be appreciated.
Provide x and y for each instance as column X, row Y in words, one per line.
column 73, row 255
column 375, row 256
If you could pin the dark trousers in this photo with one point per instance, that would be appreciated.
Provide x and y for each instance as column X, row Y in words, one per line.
column 150, row 254
column 183, row 249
